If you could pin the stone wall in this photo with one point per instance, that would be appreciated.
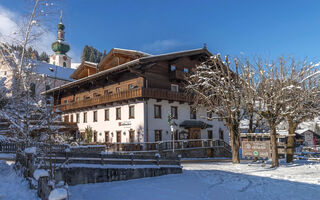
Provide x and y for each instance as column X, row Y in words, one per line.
column 82, row 175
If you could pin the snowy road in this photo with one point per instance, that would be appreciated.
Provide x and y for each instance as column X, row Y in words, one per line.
column 214, row 181
column 12, row 186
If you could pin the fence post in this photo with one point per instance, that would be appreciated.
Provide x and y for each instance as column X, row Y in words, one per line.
column 131, row 156
column 102, row 153
column 158, row 158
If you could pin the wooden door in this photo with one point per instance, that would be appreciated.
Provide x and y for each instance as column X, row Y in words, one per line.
column 119, row 147
column 118, row 136
column 131, row 136
column 195, row 133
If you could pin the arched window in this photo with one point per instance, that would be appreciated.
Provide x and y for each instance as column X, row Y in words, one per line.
column 64, row 64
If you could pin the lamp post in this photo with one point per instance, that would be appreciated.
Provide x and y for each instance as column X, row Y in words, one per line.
column 172, row 132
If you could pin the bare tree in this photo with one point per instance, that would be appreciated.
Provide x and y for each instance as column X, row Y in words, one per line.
column 216, row 86
column 302, row 99
column 280, row 91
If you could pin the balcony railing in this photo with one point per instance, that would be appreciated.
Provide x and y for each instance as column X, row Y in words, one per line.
column 126, row 95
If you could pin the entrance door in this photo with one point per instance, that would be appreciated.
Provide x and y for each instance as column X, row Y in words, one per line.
column 194, row 134
column 119, row 147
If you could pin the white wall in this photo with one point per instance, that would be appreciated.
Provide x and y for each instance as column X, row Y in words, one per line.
column 144, row 120
column 113, row 125
column 183, row 114
column 59, row 59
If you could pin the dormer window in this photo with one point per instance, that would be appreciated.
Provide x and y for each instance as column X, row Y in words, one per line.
column 174, row 88
column 186, row 70
column 172, row 68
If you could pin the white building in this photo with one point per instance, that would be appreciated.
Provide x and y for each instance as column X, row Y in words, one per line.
column 126, row 98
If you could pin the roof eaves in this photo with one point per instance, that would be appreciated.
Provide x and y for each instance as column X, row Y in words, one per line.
column 99, row 74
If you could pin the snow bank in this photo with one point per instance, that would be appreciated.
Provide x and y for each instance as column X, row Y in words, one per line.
column 58, row 194
column 40, row 173
column 31, row 150
column 13, row 186
column 215, row 180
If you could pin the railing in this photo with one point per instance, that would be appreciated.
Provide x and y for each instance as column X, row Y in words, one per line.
column 8, row 147
column 168, row 145
column 113, row 159
column 126, row 95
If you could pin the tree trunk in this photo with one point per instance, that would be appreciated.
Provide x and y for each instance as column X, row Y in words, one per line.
column 290, row 143
column 274, row 146
column 235, row 143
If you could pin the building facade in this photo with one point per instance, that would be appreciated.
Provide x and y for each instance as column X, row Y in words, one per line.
column 128, row 96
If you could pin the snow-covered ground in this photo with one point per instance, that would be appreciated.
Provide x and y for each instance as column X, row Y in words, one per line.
column 215, row 181
column 12, row 186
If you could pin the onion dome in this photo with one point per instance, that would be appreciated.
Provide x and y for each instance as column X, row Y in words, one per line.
column 60, row 46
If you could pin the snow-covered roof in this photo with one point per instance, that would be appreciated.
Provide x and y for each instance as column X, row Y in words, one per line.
column 142, row 60
column 75, row 65
column 52, row 71
column 133, row 51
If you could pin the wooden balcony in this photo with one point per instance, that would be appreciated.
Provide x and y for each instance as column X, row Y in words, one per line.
column 127, row 95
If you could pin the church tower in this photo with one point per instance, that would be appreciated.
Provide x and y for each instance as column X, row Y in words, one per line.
column 60, row 47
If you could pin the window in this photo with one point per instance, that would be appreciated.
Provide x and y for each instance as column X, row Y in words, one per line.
column 64, row 64
column 157, row 135
column 71, row 118
column 221, row 134
column 47, row 87
column 106, row 92
column 186, row 70
column 174, row 88
column 209, row 115
column 130, row 86
column 193, row 113
column 131, row 112
column 131, row 136
column 210, row 136
column 174, row 112
column 32, row 89
column 84, row 117
column 118, row 113
column 95, row 116
column 118, row 89
column 106, row 136
column 106, row 115
column 66, row 118
column 157, row 111
column 172, row 68
column 77, row 118
column 65, row 101
column 86, row 97
column 95, row 135
column 96, row 94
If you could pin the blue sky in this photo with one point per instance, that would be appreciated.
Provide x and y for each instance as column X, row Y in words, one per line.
column 238, row 28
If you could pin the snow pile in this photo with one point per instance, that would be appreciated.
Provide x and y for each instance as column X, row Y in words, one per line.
column 217, row 181
column 58, row 194
column 12, row 186
column 31, row 150
column 40, row 173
